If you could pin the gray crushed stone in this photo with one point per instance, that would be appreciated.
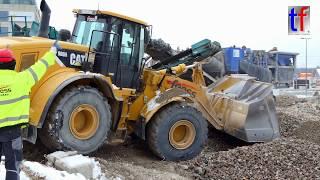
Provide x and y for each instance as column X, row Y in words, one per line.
column 284, row 158
column 295, row 155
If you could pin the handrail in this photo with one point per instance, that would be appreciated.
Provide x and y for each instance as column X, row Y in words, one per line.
column 11, row 21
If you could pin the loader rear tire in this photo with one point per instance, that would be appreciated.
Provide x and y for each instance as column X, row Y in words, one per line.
column 178, row 132
column 79, row 120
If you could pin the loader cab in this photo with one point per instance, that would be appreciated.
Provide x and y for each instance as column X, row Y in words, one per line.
column 116, row 44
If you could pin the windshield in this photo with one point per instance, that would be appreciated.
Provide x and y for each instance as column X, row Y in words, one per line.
column 83, row 29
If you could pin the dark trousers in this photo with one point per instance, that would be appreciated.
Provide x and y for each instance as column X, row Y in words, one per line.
column 11, row 148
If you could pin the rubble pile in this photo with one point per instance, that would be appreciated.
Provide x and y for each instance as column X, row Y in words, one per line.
column 304, row 110
column 285, row 101
column 309, row 131
column 288, row 124
column 293, row 113
column 284, row 158
column 294, row 156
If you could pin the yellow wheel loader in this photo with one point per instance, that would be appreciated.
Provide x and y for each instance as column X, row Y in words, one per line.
column 105, row 93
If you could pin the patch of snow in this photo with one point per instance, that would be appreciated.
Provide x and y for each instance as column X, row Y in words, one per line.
column 76, row 163
column 303, row 96
column 34, row 170
column 76, row 160
column 58, row 155
column 40, row 170
column 152, row 104
column 23, row 176
column 96, row 169
column 93, row 74
column 50, row 173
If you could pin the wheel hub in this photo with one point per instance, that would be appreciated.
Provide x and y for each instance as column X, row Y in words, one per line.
column 84, row 121
column 182, row 134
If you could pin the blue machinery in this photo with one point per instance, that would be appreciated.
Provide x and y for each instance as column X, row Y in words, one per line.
column 280, row 66
column 274, row 66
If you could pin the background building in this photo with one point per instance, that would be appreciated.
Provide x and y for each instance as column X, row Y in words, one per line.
column 10, row 9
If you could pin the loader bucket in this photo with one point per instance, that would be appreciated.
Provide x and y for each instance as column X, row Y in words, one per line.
column 245, row 108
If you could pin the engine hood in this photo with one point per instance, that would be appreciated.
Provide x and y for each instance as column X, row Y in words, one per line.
column 34, row 43
column 24, row 42
column 27, row 50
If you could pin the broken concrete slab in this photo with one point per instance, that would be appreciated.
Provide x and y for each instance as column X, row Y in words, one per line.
column 75, row 163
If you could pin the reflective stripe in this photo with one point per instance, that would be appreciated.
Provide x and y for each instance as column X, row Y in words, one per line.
column 14, row 100
column 34, row 75
column 45, row 63
column 8, row 170
column 14, row 118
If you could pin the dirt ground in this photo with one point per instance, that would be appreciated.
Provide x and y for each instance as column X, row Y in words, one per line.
column 133, row 160
column 295, row 155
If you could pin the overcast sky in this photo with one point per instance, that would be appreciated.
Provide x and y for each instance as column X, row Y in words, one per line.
column 257, row 24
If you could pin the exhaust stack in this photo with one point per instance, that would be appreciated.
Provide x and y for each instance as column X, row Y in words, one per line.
column 45, row 19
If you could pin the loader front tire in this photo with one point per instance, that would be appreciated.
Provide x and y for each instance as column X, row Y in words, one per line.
column 178, row 132
column 79, row 120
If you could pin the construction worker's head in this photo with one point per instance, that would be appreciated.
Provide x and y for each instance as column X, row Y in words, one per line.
column 7, row 61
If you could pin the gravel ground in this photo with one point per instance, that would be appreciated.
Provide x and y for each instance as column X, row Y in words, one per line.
column 296, row 155
column 302, row 109
column 285, row 101
column 281, row 159
column 299, row 118
column 309, row 131
column 288, row 124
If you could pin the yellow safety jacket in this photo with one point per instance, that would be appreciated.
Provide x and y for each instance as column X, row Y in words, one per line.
column 15, row 88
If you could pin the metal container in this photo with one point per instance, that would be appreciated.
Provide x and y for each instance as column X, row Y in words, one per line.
column 282, row 67
column 233, row 56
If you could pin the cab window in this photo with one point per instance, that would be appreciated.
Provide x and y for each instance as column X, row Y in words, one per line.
column 84, row 27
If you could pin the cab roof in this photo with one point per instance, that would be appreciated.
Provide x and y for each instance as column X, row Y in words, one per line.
column 99, row 12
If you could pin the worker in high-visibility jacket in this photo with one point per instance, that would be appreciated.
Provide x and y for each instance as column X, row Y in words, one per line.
column 15, row 103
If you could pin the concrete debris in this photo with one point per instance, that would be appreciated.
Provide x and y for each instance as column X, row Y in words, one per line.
column 53, row 157
column 75, row 163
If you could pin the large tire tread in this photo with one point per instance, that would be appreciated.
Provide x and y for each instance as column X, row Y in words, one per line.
column 155, row 124
column 48, row 136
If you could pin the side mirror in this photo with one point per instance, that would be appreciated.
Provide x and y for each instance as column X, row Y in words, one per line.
column 64, row 35
column 53, row 33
